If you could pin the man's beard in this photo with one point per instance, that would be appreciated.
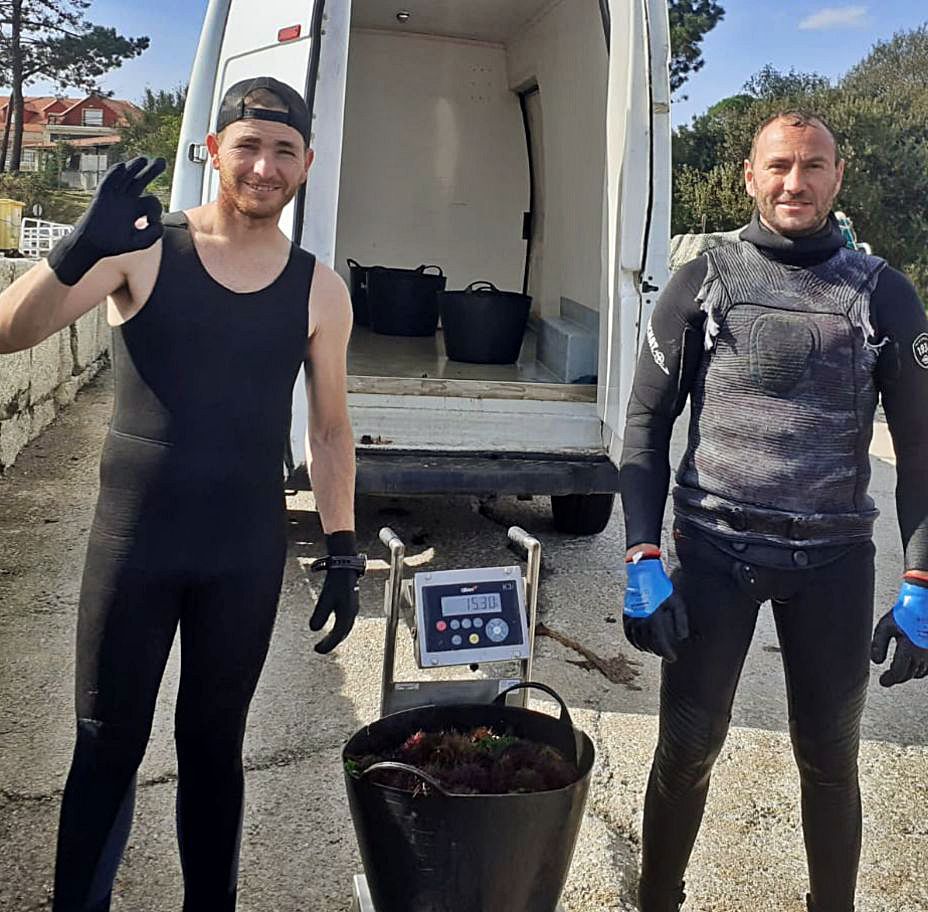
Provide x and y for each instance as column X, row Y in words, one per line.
column 769, row 216
column 250, row 208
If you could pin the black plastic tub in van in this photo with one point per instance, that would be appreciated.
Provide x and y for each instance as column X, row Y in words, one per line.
column 358, row 287
column 483, row 325
column 435, row 851
column 403, row 302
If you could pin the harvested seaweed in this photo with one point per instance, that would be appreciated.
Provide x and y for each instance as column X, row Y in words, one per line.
column 480, row 761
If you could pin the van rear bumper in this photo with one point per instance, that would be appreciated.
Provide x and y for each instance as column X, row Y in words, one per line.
column 419, row 472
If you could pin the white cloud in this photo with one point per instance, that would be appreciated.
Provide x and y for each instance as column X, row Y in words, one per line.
column 834, row 17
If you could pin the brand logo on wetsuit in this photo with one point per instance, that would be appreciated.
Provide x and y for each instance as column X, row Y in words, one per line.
column 656, row 352
column 920, row 349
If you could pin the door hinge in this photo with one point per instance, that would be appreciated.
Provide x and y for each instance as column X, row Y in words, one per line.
column 526, row 226
column 198, row 153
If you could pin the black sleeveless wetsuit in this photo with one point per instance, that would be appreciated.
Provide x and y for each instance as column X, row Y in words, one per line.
column 189, row 532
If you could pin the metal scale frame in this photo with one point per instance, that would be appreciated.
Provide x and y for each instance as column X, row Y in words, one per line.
column 486, row 598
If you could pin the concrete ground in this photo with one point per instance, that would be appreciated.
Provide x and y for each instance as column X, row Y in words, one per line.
column 299, row 851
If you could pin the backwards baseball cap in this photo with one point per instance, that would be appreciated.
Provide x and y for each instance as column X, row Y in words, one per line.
column 233, row 106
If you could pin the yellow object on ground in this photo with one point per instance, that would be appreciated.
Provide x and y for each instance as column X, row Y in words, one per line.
column 11, row 216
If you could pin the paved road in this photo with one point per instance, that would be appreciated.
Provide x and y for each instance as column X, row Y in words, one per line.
column 299, row 851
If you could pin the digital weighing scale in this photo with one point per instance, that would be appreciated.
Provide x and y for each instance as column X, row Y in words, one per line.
column 471, row 617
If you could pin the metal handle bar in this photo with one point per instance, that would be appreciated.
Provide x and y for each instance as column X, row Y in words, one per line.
column 388, row 536
column 392, row 610
column 532, row 547
column 519, row 537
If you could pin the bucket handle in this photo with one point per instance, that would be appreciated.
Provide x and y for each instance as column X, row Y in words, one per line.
column 523, row 685
column 406, row 768
column 481, row 285
column 423, row 267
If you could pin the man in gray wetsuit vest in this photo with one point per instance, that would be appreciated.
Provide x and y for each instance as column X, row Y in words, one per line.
column 784, row 342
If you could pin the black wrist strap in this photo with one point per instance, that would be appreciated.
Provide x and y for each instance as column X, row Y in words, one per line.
column 356, row 562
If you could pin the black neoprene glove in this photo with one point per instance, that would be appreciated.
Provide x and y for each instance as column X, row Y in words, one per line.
column 339, row 594
column 107, row 228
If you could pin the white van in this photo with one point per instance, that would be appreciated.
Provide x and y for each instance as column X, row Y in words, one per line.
column 521, row 142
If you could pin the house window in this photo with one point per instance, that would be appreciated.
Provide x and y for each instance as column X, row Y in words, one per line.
column 92, row 117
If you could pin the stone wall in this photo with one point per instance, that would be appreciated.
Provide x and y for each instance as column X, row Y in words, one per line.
column 35, row 384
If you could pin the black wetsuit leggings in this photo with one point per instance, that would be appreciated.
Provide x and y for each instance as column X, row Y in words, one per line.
column 824, row 619
column 126, row 625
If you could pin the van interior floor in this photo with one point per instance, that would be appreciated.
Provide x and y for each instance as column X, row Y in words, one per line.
column 423, row 358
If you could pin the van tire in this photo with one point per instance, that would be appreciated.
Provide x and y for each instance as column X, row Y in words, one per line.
column 582, row 514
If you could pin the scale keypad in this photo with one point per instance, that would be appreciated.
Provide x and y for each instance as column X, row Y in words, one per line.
column 471, row 616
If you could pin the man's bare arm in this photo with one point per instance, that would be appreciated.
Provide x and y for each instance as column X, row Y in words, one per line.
column 331, row 439
column 89, row 263
column 37, row 305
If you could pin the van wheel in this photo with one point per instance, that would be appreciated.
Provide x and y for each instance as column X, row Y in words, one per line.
column 582, row 514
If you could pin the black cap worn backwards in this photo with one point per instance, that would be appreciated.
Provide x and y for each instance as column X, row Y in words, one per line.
column 233, row 106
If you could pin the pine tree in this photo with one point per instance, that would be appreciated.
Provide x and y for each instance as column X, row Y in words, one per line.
column 51, row 39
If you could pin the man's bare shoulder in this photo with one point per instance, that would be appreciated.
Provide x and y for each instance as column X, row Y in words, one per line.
column 329, row 301
column 202, row 219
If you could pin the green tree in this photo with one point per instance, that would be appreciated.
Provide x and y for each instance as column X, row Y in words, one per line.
column 894, row 68
column 50, row 39
column 690, row 21
column 709, row 201
column 769, row 84
column 156, row 132
column 56, row 162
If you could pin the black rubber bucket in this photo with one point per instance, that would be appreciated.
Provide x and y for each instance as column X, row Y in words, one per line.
column 358, row 288
column 483, row 325
column 403, row 302
column 432, row 851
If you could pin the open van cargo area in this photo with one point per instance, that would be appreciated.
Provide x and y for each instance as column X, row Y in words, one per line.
column 474, row 139
column 522, row 145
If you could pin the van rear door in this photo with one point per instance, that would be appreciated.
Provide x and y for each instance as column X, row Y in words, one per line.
column 637, row 233
column 242, row 39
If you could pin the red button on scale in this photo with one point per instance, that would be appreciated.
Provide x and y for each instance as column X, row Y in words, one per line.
column 441, row 626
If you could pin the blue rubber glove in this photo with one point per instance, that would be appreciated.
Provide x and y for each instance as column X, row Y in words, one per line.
column 655, row 616
column 907, row 623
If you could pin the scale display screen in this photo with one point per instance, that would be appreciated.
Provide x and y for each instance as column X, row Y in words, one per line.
column 480, row 603
column 464, row 617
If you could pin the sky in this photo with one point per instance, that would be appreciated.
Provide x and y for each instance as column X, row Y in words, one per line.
column 825, row 37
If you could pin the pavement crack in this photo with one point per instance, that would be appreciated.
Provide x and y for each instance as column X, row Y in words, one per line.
column 484, row 509
column 618, row 669
column 10, row 797
column 279, row 760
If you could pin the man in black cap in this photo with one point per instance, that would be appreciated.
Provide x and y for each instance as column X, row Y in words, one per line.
column 783, row 342
column 214, row 311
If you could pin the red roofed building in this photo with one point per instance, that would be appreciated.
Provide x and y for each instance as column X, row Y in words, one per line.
column 90, row 124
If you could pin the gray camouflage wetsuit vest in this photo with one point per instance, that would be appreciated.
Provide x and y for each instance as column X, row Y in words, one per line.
column 782, row 406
